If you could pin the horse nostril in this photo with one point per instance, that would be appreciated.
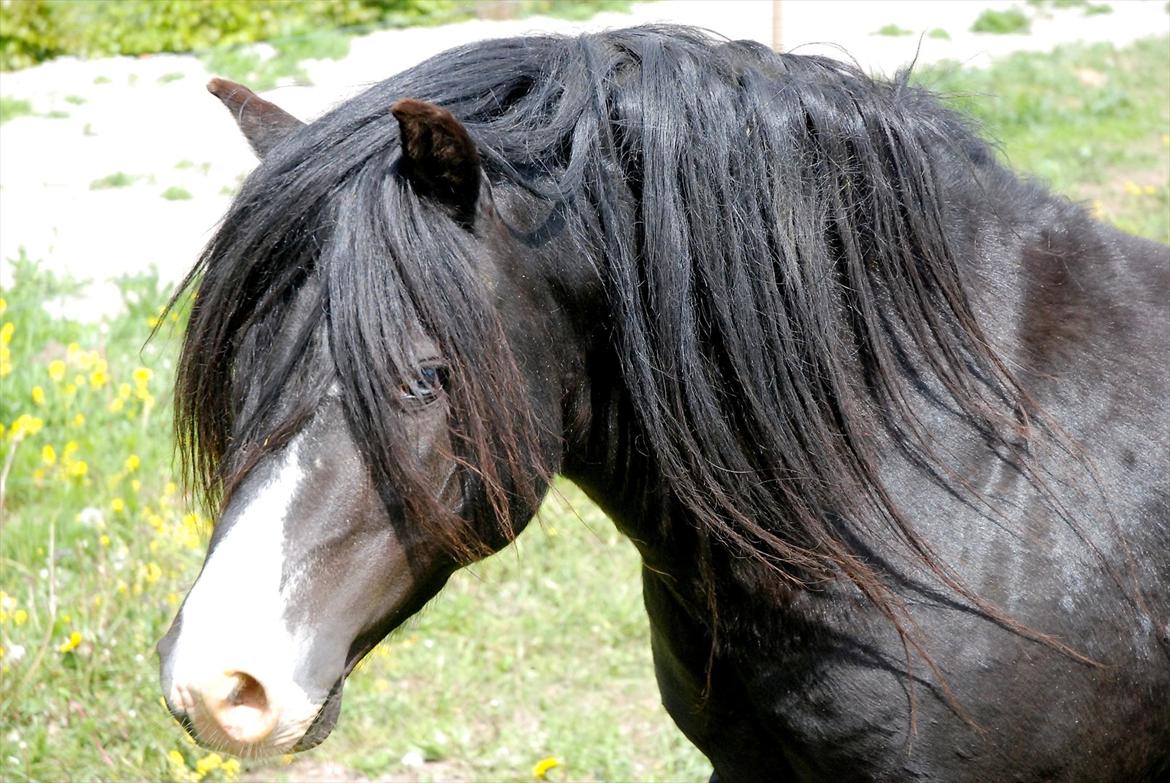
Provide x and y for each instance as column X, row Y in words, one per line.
column 238, row 702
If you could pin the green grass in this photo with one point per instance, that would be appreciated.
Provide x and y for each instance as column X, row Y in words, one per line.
column 175, row 193
column 245, row 64
column 1089, row 120
column 540, row 651
column 166, row 78
column 1012, row 20
column 939, row 33
column 119, row 179
column 76, row 100
column 1098, row 9
column 892, row 30
column 11, row 108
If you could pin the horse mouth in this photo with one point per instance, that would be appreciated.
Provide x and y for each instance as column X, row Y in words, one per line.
column 325, row 720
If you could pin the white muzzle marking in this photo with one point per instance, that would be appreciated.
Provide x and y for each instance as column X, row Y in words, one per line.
column 233, row 664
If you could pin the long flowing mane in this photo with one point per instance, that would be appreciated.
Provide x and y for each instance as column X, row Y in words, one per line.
column 778, row 259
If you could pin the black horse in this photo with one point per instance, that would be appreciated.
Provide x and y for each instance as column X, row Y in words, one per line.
column 887, row 423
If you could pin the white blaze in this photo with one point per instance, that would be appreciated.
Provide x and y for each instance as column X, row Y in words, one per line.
column 233, row 620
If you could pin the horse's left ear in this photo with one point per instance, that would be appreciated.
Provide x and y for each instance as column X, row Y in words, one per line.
column 439, row 157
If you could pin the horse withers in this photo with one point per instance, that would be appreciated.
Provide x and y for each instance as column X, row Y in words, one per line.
column 887, row 424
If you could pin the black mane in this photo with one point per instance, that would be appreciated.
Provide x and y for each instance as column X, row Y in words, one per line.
column 779, row 259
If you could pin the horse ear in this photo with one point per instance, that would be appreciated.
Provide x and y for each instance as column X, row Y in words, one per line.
column 264, row 124
column 438, row 157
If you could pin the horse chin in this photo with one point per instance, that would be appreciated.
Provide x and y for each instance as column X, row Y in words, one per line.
column 326, row 719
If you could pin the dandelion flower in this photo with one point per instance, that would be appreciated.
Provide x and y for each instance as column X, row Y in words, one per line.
column 142, row 376
column 20, row 617
column 38, row 395
column 132, row 463
column 71, row 643
column 6, row 332
column 57, row 371
column 78, row 421
column 543, row 767
column 78, row 469
column 117, row 505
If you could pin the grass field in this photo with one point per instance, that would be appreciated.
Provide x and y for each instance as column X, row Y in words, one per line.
column 538, row 653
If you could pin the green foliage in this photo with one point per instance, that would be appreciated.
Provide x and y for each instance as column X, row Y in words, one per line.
column 1098, row 9
column 166, row 78
column 892, row 30
column 248, row 65
column 175, row 193
column 11, row 108
column 32, row 31
column 1012, row 20
column 939, row 34
column 119, row 179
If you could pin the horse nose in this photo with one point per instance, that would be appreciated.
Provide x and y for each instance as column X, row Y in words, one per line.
column 238, row 705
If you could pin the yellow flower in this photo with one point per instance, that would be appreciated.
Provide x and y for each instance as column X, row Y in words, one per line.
column 48, row 455
column 78, row 469
column 135, row 485
column 118, row 505
column 79, row 420
column 71, row 448
column 98, row 378
column 57, row 370
column 6, row 332
column 116, row 405
column 543, row 766
column 20, row 617
column 3, row 305
column 38, row 395
column 142, row 376
column 104, row 540
column 71, row 643
column 124, row 391
column 132, row 463
column 26, row 425
column 231, row 768
column 73, row 349
column 1132, row 188
column 208, row 763
column 152, row 572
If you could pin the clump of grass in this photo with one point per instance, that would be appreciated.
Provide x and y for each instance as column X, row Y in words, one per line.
column 247, row 64
column 184, row 164
column 102, row 80
column 939, row 33
column 119, row 179
column 56, row 114
column 174, row 76
column 1006, row 22
column 174, row 193
column 1098, row 9
column 11, row 108
column 76, row 100
column 892, row 30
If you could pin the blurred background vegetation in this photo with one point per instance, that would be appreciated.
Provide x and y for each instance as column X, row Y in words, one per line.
column 32, row 31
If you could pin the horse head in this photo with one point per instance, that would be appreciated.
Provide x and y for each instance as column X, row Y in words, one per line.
column 354, row 455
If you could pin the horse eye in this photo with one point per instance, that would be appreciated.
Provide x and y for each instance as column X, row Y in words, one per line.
column 426, row 386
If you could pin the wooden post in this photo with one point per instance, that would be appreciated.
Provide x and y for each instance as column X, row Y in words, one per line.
column 777, row 41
